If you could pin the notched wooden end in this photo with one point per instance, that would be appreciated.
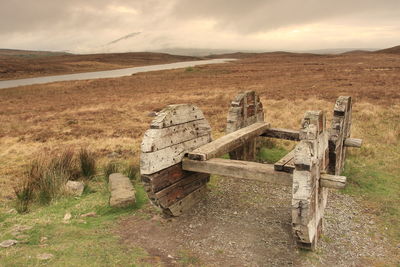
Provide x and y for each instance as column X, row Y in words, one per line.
column 353, row 142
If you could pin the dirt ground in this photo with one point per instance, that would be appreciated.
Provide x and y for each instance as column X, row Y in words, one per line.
column 243, row 223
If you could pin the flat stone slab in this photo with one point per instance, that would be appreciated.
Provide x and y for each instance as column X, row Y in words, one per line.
column 122, row 191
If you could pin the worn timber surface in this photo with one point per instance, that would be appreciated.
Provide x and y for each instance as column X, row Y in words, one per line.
column 228, row 142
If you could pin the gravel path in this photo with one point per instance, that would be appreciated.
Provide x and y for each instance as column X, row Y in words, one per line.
column 243, row 223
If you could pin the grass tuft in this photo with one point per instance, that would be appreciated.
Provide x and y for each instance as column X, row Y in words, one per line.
column 87, row 163
column 24, row 193
column 110, row 168
column 132, row 171
column 46, row 176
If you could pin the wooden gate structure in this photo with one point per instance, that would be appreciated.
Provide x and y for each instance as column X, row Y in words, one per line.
column 178, row 156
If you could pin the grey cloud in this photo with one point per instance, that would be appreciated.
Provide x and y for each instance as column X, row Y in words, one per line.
column 25, row 16
column 84, row 25
column 263, row 15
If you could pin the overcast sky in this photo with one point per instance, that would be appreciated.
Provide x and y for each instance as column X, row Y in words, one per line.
column 96, row 25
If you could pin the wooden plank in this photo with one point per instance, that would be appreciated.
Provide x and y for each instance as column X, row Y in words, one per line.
column 155, row 161
column 353, row 142
column 333, row 181
column 176, row 114
column 187, row 202
column 238, row 169
column 289, row 166
column 180, row 189
column 261, row 172
column 157, row 139
column 281, row 133
column 228, row 142
column 165, row 178
column 280, row 163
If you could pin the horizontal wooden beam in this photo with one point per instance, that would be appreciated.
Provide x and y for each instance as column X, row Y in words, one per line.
column 353, row 142
column 239, row 169
column 281, row 133
column 253, row 171
column 293, row 135
column 333, row 181
column 228, row 142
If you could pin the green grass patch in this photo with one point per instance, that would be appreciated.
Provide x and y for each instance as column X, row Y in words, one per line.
column 80, row 241
column 379, row 188
column 271, row 154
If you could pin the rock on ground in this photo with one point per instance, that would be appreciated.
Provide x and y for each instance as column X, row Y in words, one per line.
column 44, row 256
column 8, row 243
column 122, row 191
column 75, row 188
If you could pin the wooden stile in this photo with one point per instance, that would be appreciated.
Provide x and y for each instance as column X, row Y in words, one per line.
column 178, row 156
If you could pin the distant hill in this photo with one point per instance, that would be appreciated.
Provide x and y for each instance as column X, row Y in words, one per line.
column 391, row 50
column 356, row 52
column 29, row 53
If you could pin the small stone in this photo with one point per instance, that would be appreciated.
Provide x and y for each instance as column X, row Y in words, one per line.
column 8, row 243
column 43, row 239
column 152, row 114
column 75, row 188
column 67, row 216
column 235, row 213
column 170, row 256
column 44, row 256
column 89, row 214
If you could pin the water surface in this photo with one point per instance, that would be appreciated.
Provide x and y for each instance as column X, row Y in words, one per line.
column 107, row 73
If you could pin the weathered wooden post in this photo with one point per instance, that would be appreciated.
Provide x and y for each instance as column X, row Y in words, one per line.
column 309, row 196
column 177, row 130
column 244, row 110
column 339, row 134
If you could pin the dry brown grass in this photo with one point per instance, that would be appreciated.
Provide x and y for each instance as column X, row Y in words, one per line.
column 111, row 115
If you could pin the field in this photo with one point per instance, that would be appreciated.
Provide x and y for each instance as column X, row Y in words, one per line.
column 17, row 64
column 109, row 117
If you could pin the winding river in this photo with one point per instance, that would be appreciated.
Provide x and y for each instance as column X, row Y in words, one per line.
column 108, row 73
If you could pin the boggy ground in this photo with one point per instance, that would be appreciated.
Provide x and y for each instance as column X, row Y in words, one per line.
column 109, row 116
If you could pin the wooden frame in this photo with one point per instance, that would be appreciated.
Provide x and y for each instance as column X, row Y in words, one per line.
column 178, row 156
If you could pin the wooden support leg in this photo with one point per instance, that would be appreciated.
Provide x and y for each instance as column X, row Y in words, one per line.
column 245, row 110
column 309, row 197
